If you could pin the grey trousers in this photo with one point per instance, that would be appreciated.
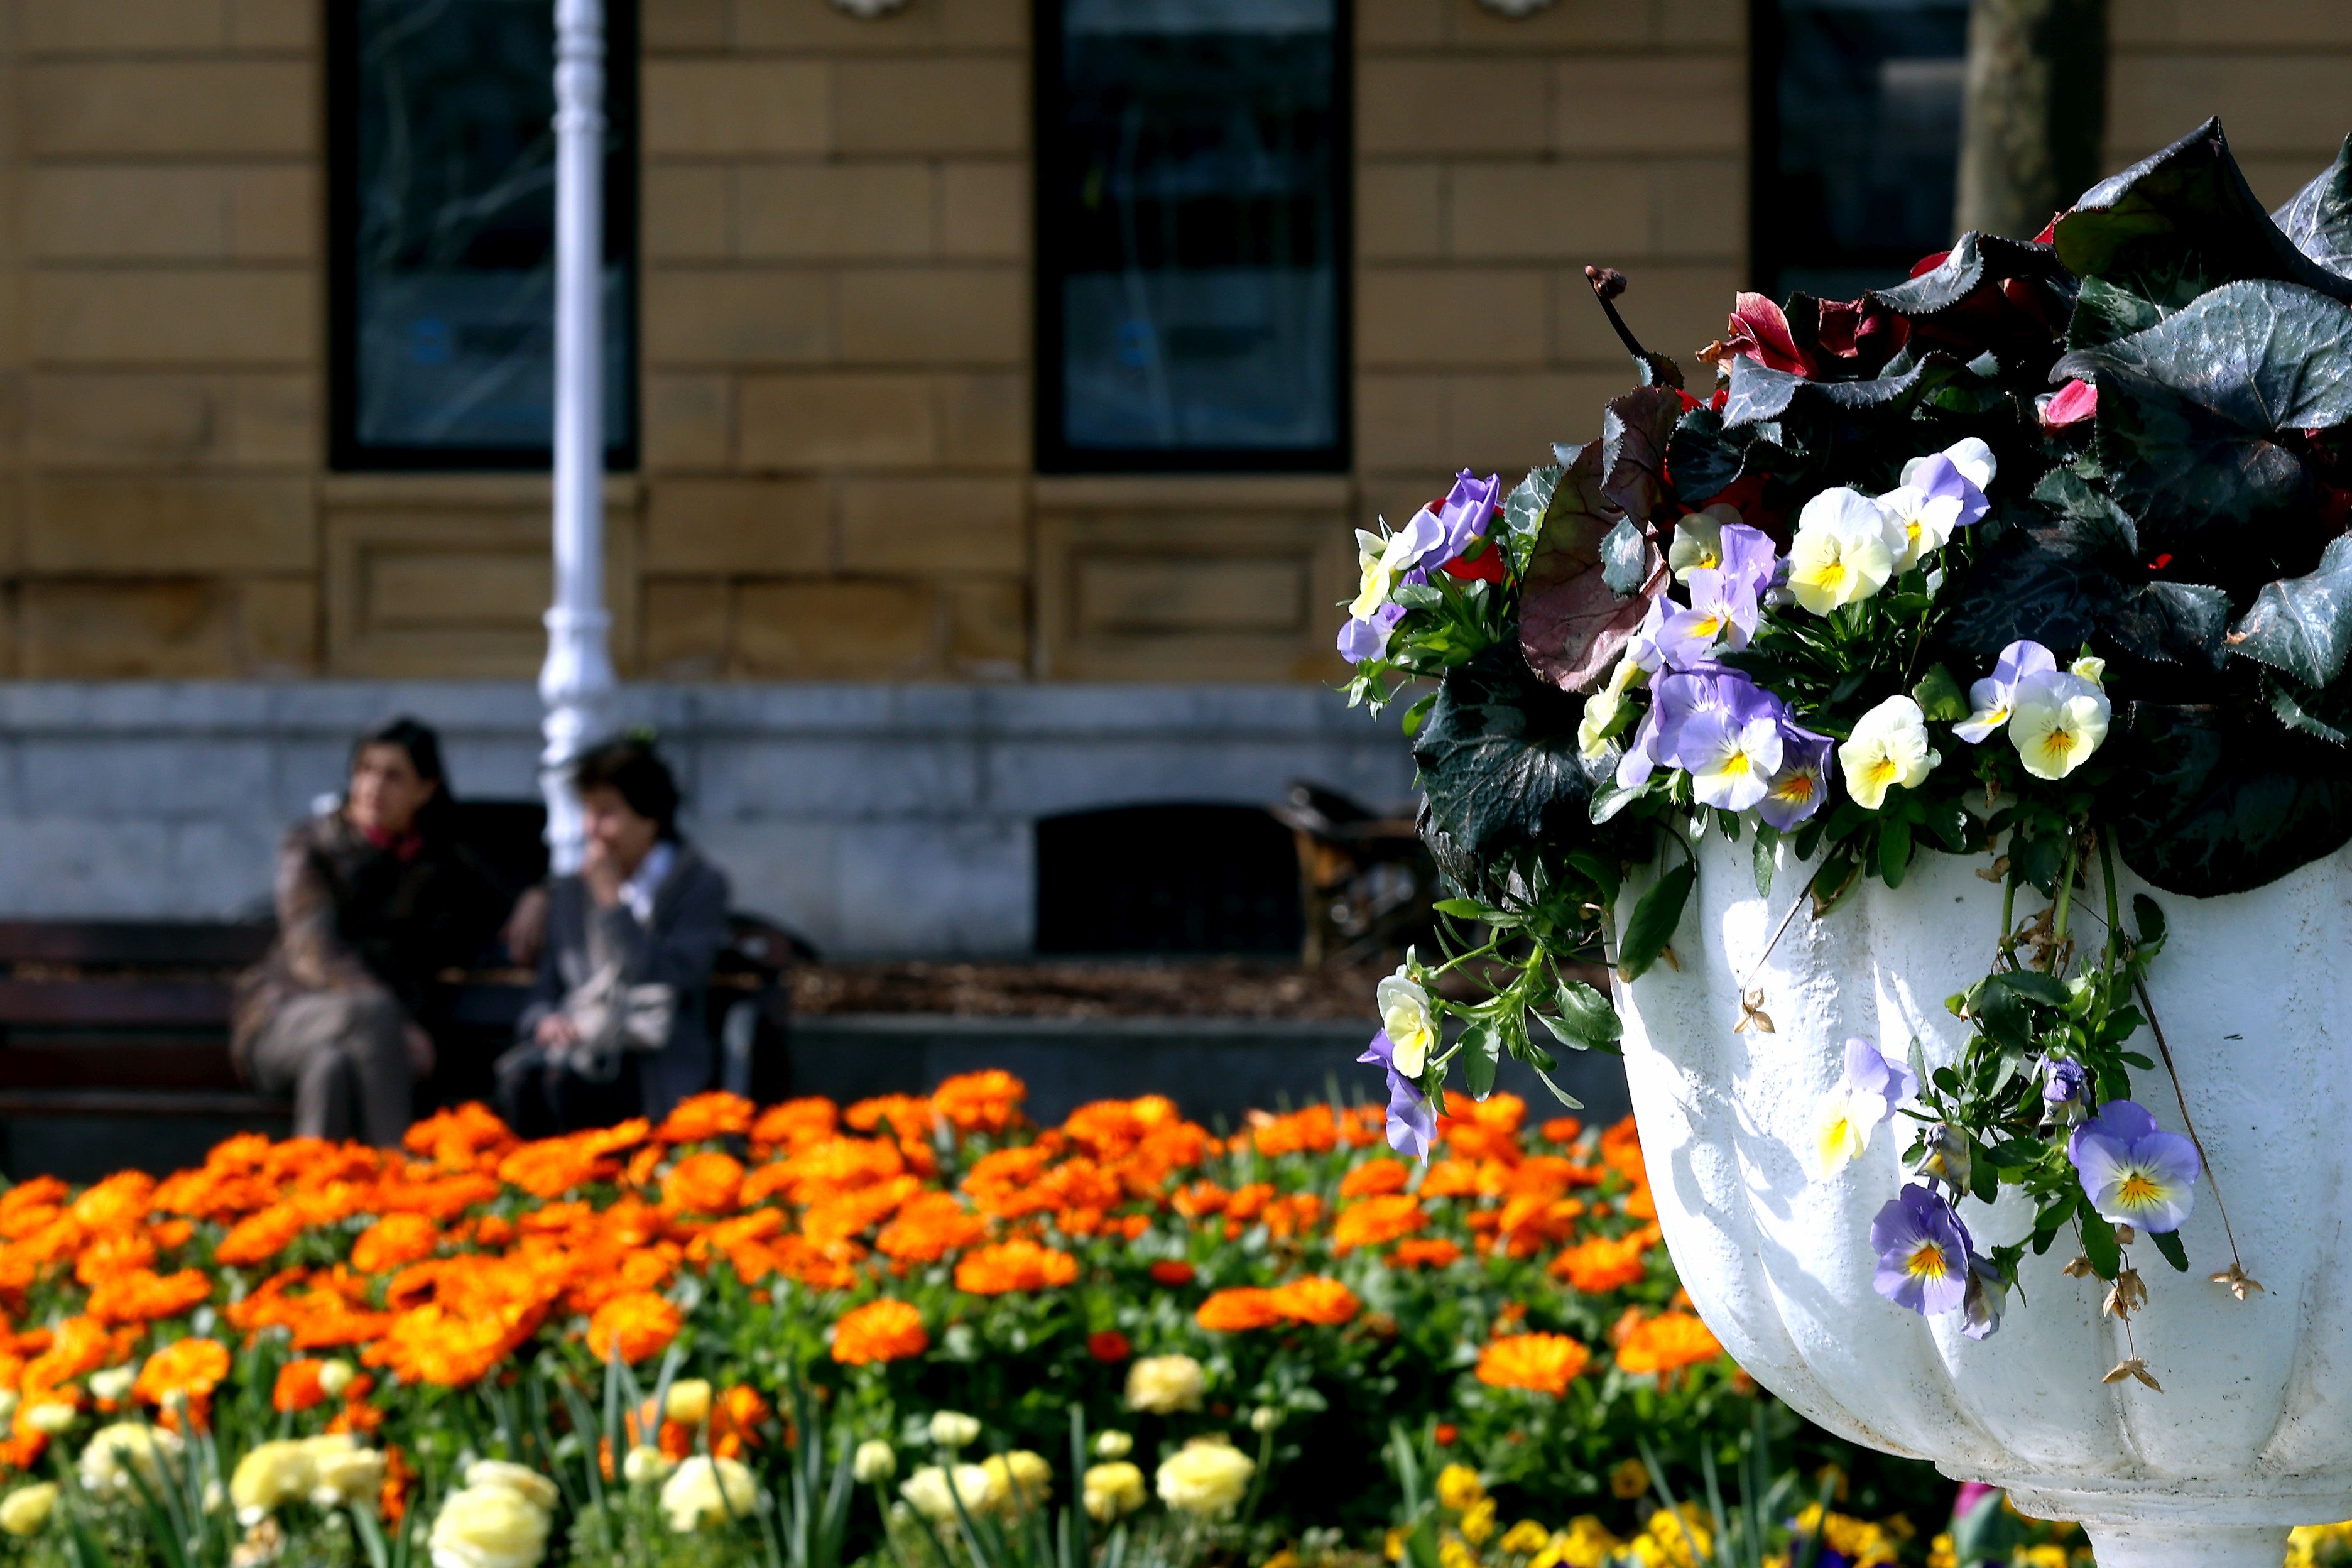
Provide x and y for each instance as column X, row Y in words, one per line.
column 343, row 1056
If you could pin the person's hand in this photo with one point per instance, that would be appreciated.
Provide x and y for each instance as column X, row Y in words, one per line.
column 600, row 874
column 525, row 933
column 420, row 1050
column 557, row 1032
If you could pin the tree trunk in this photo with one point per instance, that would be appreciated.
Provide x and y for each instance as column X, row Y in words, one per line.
column 2035, row 112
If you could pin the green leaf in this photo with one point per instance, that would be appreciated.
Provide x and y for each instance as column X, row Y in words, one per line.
column 1704, row 460
column 2191, row 411
column 2148, row 916
column 1499, row 767
column 2186, row 211
column 1609, row 798
column 2099, row 1244
column 1655, row 916
column 2034, row 986
column 2326, row 715
column 1559, row 1093
column 1461, row 908
column 1415, row 715
column 2168, row 1242
column 1482, row 1052
column 1625, row 556
column 2104, row 312
column 1587, row 1021
column 1939, row 696
column 1571, row 624
column 2303, row 626
column 2318, row 221
column 1634, row 430
column 1523, row 508
column 1767, row 843
column 1893, row 852
column 2206, row 800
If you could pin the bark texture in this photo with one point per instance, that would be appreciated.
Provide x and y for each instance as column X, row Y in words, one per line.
column 2034, row 114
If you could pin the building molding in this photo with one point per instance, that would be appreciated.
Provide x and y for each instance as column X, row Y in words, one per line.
column 868, row 10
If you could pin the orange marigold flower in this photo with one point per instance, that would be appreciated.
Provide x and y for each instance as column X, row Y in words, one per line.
column 395, row 1241
column 1317, row 1300
column 795, row 1122
column 462, row 1138
column 1199, row 1199
column 1667, row 1342
column 1621, row 1148
column 1374, row 1177
column 143, row 1296
column 709, row 1183
column 735, row 1419
column 880, row 1331
column 261, row 1237
column 1449, row 1178
column 929, row 1228
column 115, row 1204
column 635, row 1326
column 1541, row 1363
column 1640, row 1203
column 117, row 1252
column 189, row 1369
column 1109, row 1345
column 1312, row 1131
column 1171, row 1271
column 907, row 1115
column 701, row 1117
column 1016, row 1265
column 1238, row 1311
column 1424, row 1252
column 1292, row 1215
column 1601, row 1263
column 298, row 1387
column 986, row 1101
column 1369, row 1222
column 392, row 1498
column 1562, row 1130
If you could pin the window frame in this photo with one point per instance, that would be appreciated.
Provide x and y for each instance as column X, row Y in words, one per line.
column 346, row 453
column 1053, row 455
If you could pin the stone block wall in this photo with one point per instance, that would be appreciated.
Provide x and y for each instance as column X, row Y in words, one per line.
column 836, row 341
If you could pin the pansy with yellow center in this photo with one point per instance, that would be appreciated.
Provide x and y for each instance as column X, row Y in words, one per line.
column 1840, row 556
column 1922, row 1253
column 2059, row 720
column 2133, row 1171
column 1888, row 748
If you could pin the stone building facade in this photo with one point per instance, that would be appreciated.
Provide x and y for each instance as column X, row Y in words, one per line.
column 836, row 361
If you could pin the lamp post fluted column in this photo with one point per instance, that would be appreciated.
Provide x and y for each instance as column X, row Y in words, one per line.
column 576, row 683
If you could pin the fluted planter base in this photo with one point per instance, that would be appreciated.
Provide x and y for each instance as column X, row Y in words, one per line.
column 2171, row 1544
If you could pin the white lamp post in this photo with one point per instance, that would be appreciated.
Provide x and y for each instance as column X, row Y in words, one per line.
column 576, row 682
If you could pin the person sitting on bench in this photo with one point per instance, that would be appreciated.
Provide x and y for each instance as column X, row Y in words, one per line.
column 374, row 899
column 616, row 1026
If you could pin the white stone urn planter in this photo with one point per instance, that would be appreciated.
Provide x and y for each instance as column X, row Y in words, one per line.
column 2253, row 1430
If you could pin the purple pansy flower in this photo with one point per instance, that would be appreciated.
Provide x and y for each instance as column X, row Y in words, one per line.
column 1640, row 758
column 1413, row 1120
column 1798, row 789
column 1723, row 609
column 1730, row 762
column 2133, row 1171
column 1684, row 694
column 1368, row 637
column 2065, row 1090
column 1991, row 700
column 1465, row 514
column 1747, row 558
column 1922, row 1253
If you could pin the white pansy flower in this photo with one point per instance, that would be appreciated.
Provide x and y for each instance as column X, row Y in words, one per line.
column 1888, row 747
column 1381, row 560
column 1839, row 555
column 1698, row 540
column 2061, row 720
column 2094, row 670
column 1408, row 1020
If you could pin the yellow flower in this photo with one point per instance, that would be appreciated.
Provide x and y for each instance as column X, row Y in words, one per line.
column 1524, row 1538
column 1452, row 1553
column 1458, row 1487
column 1114, row 1490
column 1478, row 1521
column 1017, row 1481
column 25, row 1509
column 2058, row 721
column 1206, row 1479
column 1392, row 1546
column 1161, row 1384
column 335, row 1376
column 115, row 1451
column 1888, row 747
column 1113, row 1444
column 875, row 1461
column 1628, row 1479
column 1585, row 1543
column 489, row 1525
column 704, row 1492
column 270, row 1475
column 1839, row 555
column 1409, row 1021
column 520, row 1479
column 689, row 1401
column 953, row 1428
column 1677, row 1539
column 927, row 1491
column 645, row 1465
column 344, row 1472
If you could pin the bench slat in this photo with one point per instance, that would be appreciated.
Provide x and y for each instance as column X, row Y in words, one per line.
column 123, row 1004
column 164, row 944
column 142, row 1064
column 63, row 1102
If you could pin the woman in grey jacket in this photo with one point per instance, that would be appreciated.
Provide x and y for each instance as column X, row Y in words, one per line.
column 617, row 1026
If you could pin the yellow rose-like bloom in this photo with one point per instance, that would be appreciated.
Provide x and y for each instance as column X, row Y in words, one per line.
column 1113, row 1444
column 1113, row 1491
column 953, row 1428
column 1408, row 1020
column 1629, row 1479
column 645, row 1465
column 336, row 1376
column 113, row 1383
column 927, row 1491
column 689, row 1401
column 270, row 1475
column 50, row 1417
column 1524, row 1538
column 1017, row 1481
column 1162, row 1385
column 115, row 1451
column 488, row 1526
column 1839, row 555
column 1207, row 1479
column 1454, row 1552
column 1888, row 747
column 25, row 1509
column 704, row 1491
column 875, row 1462
column 520, row 1479
column 1585, row 1543
column 1944, row 1552
column 343, row 1472
column 2059, row 719
column 1677, row 1539
column 1478, row 1521
column 1458, row 1487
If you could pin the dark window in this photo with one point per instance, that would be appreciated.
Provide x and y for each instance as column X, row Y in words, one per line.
column 1167, row 878
column 1192, row 235
column 1857, row 140
column 443, row 212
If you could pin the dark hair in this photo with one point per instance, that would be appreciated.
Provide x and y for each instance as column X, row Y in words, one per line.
column 631, row 770
column 423, row 749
